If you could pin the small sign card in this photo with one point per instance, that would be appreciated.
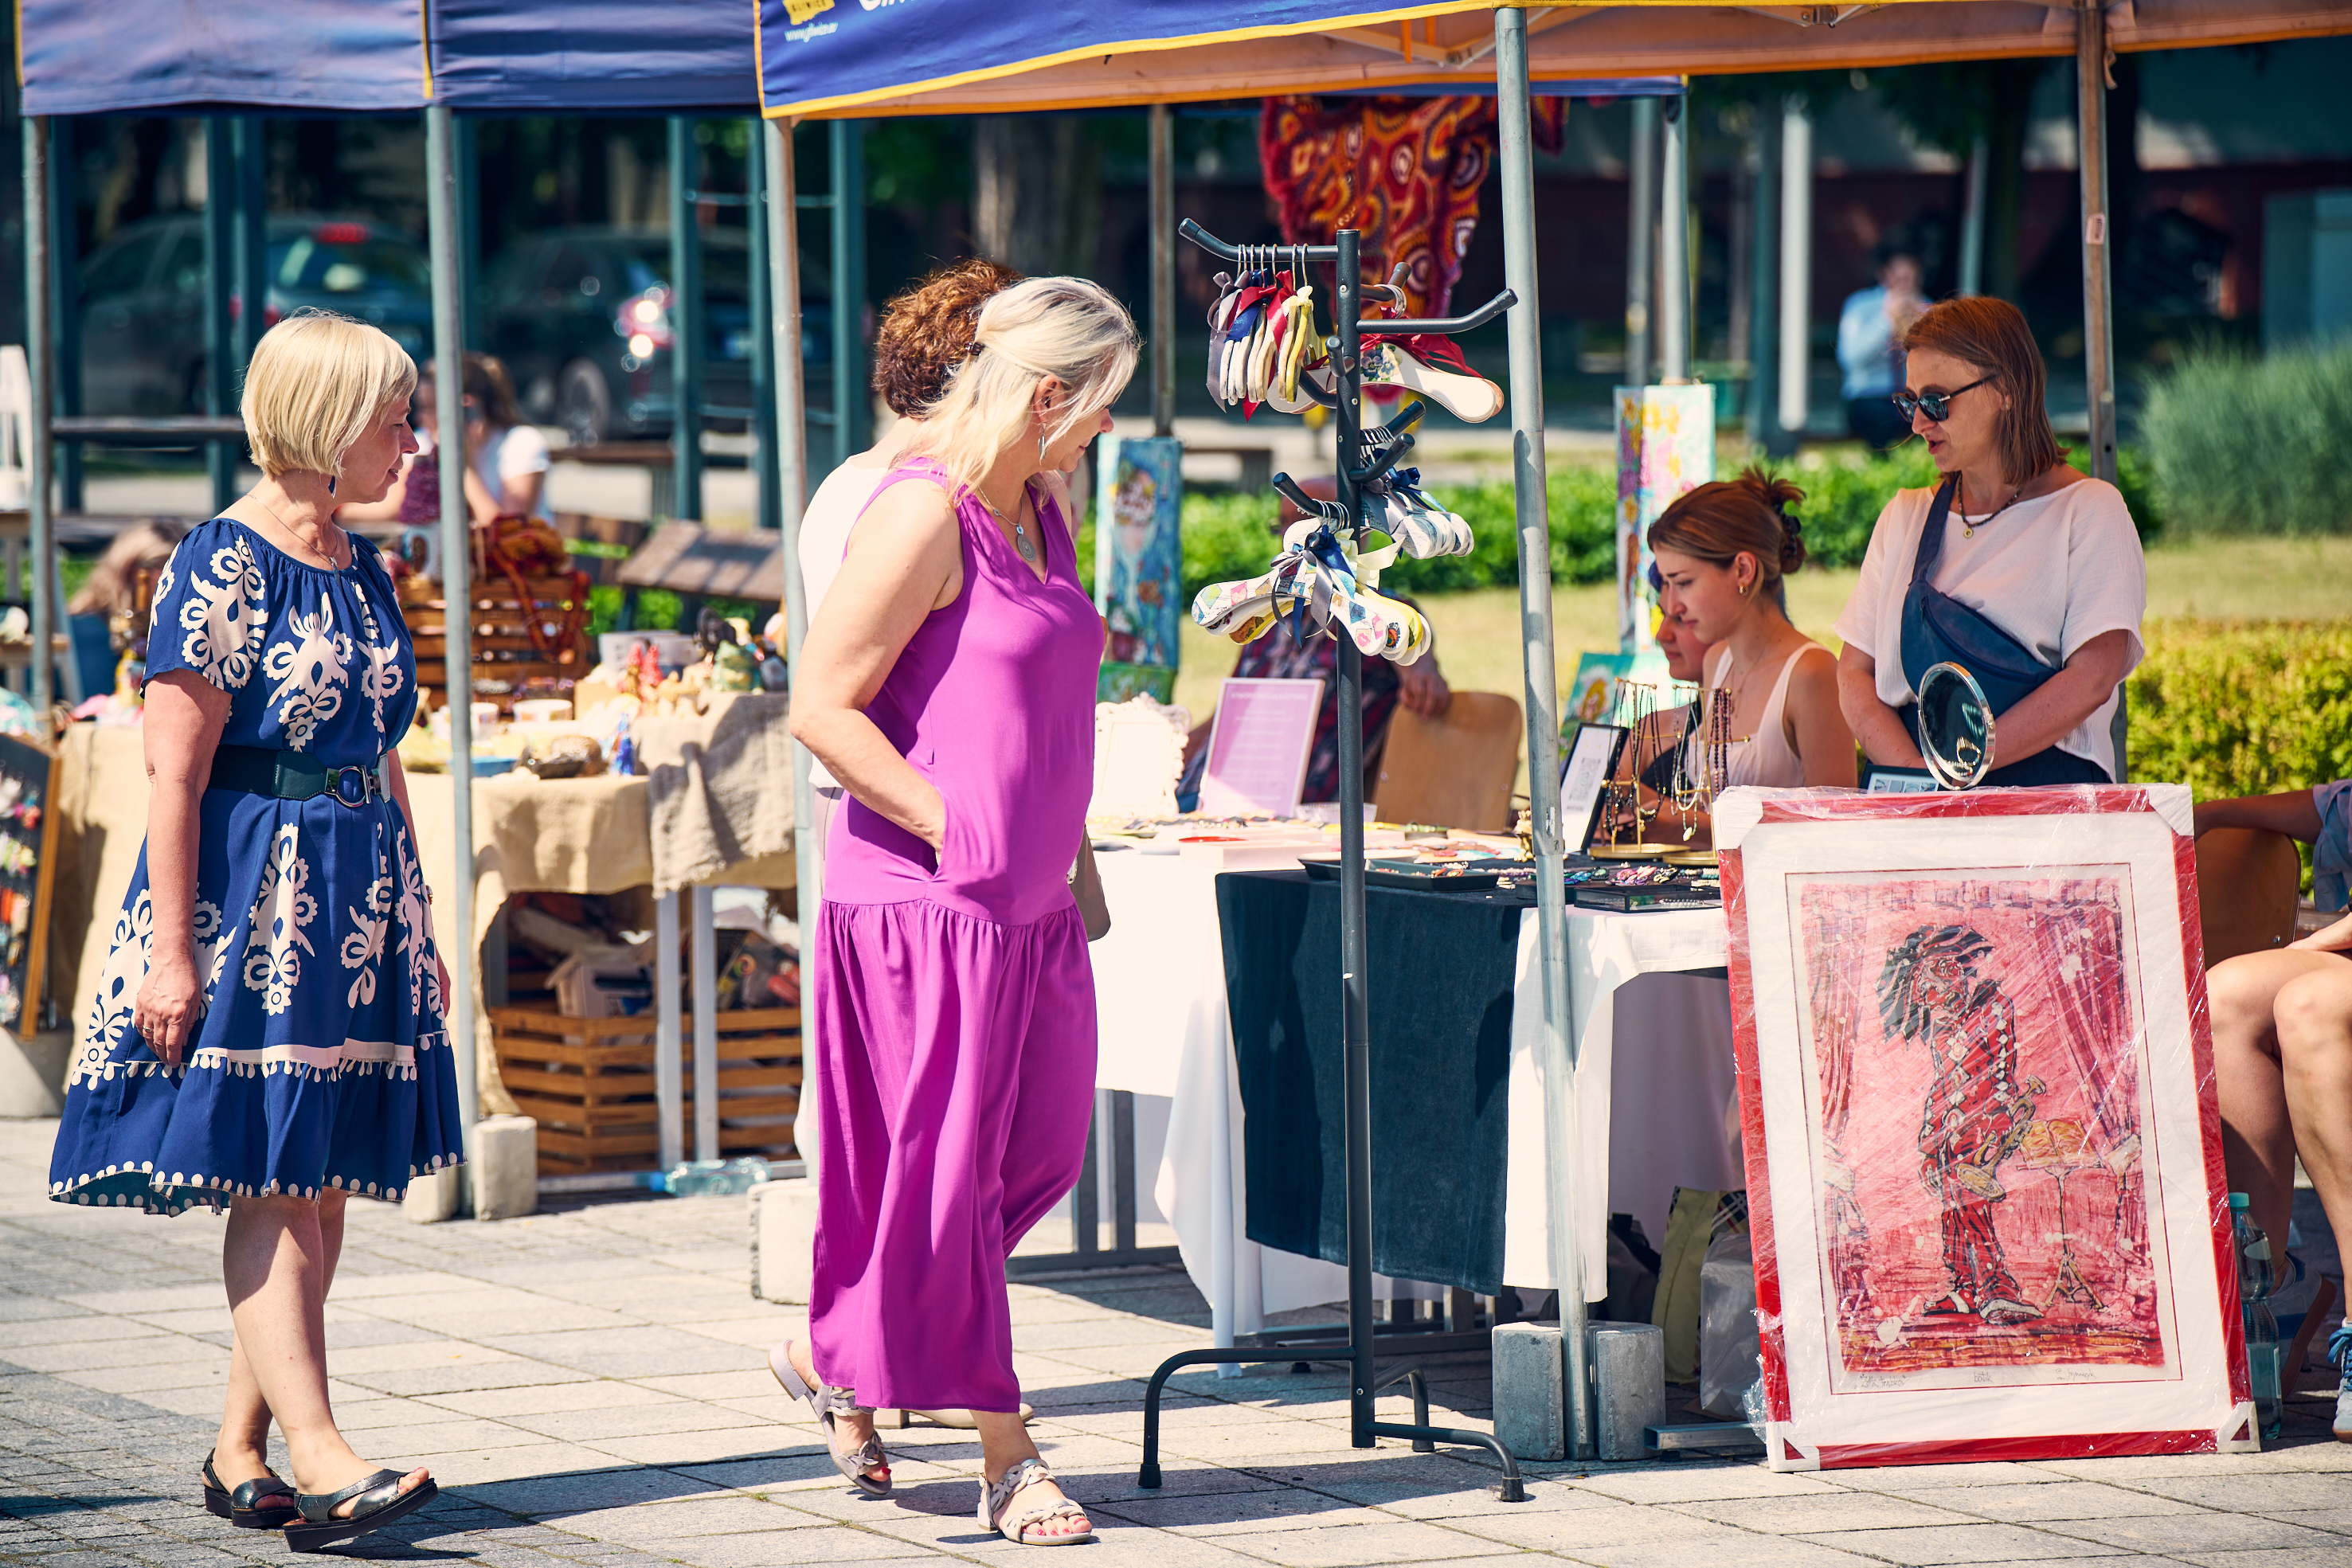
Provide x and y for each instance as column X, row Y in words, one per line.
column 1584, row 780
column 1259, row 747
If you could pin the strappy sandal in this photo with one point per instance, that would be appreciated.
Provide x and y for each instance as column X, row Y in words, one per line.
column 242, row 1505
column 376, row 1500
column 826, row 1402
column 994, row 1500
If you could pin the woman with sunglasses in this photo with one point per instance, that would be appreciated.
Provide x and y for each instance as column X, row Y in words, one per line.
column 2024, row 571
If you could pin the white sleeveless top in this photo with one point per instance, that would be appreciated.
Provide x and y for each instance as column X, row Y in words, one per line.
column 1765, row 757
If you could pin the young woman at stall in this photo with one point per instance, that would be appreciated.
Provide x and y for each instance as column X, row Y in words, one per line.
column 510, row 456
column 267, row 1031
column 948, row 684
column 1722, row 550
column 2016, row 566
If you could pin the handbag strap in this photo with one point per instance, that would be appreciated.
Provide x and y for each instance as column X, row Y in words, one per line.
column 1931, row 537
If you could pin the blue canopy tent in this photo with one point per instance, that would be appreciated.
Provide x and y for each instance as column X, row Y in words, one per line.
column 392, row 57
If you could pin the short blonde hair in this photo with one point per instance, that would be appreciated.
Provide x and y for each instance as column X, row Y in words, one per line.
column 316, row 381
column 1067, row 328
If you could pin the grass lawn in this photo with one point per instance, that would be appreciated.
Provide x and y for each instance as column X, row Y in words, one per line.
column 1478, row 632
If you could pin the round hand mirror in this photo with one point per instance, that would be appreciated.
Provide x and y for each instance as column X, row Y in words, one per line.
column 1955, row 727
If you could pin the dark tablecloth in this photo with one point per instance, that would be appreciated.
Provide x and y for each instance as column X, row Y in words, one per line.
column 1439, row 994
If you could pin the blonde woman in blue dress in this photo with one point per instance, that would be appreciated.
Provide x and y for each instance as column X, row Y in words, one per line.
column 267, row 1035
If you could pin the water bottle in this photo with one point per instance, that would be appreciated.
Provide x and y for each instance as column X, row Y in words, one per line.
column 719, row 1179
column 2255, row 1280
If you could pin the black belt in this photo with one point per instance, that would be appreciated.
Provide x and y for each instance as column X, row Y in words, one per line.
column 290, row 775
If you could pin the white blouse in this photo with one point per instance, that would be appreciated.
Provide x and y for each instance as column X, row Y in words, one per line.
column 2054, row 572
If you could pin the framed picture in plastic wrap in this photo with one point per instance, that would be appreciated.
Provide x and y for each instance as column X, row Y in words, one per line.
column 1984, row 1160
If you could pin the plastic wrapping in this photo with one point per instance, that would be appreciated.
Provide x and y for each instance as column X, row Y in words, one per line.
column 1984, row 1158
column 1729, row 1355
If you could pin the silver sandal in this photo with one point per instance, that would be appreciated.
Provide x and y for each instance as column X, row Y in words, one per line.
column 994, row 1500
column 826, row 1402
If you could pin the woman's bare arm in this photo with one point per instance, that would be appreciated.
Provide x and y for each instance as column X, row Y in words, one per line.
column 1814, row 724
column 904, row 560
column 2057, row 707
column 182, row 728
column 1878, row 727
column 2295, row 813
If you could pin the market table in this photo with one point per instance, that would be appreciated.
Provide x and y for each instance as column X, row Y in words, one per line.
column 1657, row 1116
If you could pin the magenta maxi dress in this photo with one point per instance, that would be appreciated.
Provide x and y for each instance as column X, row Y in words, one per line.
column 953, row 1004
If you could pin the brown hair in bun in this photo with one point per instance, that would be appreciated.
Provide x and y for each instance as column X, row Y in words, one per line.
column 1752, row 513
column 926, row 332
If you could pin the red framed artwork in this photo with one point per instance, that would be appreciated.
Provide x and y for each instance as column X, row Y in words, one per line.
column 1984, row 1159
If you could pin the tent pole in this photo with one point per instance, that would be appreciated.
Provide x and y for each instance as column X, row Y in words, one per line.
column 1163, row 269
column 847, row 148
column 1673, row 243
column 1972, row 216
column 783, row 220
column 64, row 241
column 686, row 333
column 2098, row 303
column 220, row 281
column 250, row 144
column 456, row 939
column 1558, row 1063
column 766, row 505
column 1641, row 240
column 1796, row 265
column 1764, row 311
column 40, row 351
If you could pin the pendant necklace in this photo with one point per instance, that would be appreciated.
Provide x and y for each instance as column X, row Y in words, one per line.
column 1021, row 541
column 1968, row 529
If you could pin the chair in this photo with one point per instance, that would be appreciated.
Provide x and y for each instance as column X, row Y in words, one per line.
column 1454, row 770
column 2247, row 881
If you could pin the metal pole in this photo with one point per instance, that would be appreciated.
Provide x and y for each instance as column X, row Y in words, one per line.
column 1356, row 1038
column 65, row 243
column 220, row 270
column 849, row 400
column 767, row 509
column 1640, row 236
column 669, row 1135
column 783, row 220
column 441, row 200
column 40, row 350
column 1556, row 1059
column 1674, row 243
column 704, row 983
column 1796, row 263
column 1764, row 314
column 2098, row 305
column 1163, row 269
column 1972, row 217
column 249, row 144
column 686, row 333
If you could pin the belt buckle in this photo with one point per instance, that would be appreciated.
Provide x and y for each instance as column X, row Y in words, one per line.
column 350, row 786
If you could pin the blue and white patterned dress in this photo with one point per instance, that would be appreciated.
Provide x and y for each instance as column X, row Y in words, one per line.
column 318, row 1059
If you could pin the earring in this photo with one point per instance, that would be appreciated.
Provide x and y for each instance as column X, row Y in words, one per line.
column 1041, row 449
column 331, row 483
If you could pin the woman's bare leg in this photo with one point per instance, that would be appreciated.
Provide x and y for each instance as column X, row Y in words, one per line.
column 2258, row 1138
column 2315, row 1039
column 241, row 1452
column 1004, row 1443
column 278, row 1263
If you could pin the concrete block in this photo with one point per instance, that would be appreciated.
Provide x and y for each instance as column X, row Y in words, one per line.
column 1629, row 1385
column 784, row 1239
column 33, row 1073
column 1529, row 1419
column 505, row 1167
column 435, row 1197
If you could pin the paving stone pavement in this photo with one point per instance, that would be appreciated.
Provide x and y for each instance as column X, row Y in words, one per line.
column 588, row 1387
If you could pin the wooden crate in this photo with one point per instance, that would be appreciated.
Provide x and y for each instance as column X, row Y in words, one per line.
column 589, row 1083
column 503, row 649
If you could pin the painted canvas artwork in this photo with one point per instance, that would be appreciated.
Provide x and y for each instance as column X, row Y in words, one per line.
column 1139, row 561
column 1665, row 447
column 1974, row 1050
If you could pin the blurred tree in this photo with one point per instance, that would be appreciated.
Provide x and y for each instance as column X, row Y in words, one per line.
column 1036, row 192
column 1949, row 105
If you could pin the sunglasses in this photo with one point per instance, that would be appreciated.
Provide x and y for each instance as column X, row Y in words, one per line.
column 1938, row 405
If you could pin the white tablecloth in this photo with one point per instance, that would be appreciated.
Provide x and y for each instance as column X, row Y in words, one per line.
column 1161, row 991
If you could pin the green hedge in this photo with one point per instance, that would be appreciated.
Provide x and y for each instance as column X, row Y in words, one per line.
column 2232, row 708
column 2243, row 444
column 1229, row 536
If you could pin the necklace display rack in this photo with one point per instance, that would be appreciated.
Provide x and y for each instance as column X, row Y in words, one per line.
column 1361, row 458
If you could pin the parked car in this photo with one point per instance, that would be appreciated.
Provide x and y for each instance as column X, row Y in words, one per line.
column 581, row 317
column 141, row 300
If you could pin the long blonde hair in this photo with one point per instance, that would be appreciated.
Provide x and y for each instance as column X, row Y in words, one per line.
column 1065, row 328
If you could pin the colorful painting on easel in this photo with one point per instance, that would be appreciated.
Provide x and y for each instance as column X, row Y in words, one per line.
column 1974, row 1054
column 1665, row 447
column 1140, row 558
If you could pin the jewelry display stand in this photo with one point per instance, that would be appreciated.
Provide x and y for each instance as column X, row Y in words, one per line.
column 1361, row 458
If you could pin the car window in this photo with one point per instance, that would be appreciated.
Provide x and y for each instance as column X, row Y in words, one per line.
column 184, row 263
column 120, row 270
column 725, row 263
column 325, row 261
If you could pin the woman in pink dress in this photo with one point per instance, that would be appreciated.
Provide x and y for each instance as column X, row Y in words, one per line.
column 949, row 685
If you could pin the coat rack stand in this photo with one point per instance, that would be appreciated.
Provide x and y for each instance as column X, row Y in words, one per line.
column 1361, row 460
